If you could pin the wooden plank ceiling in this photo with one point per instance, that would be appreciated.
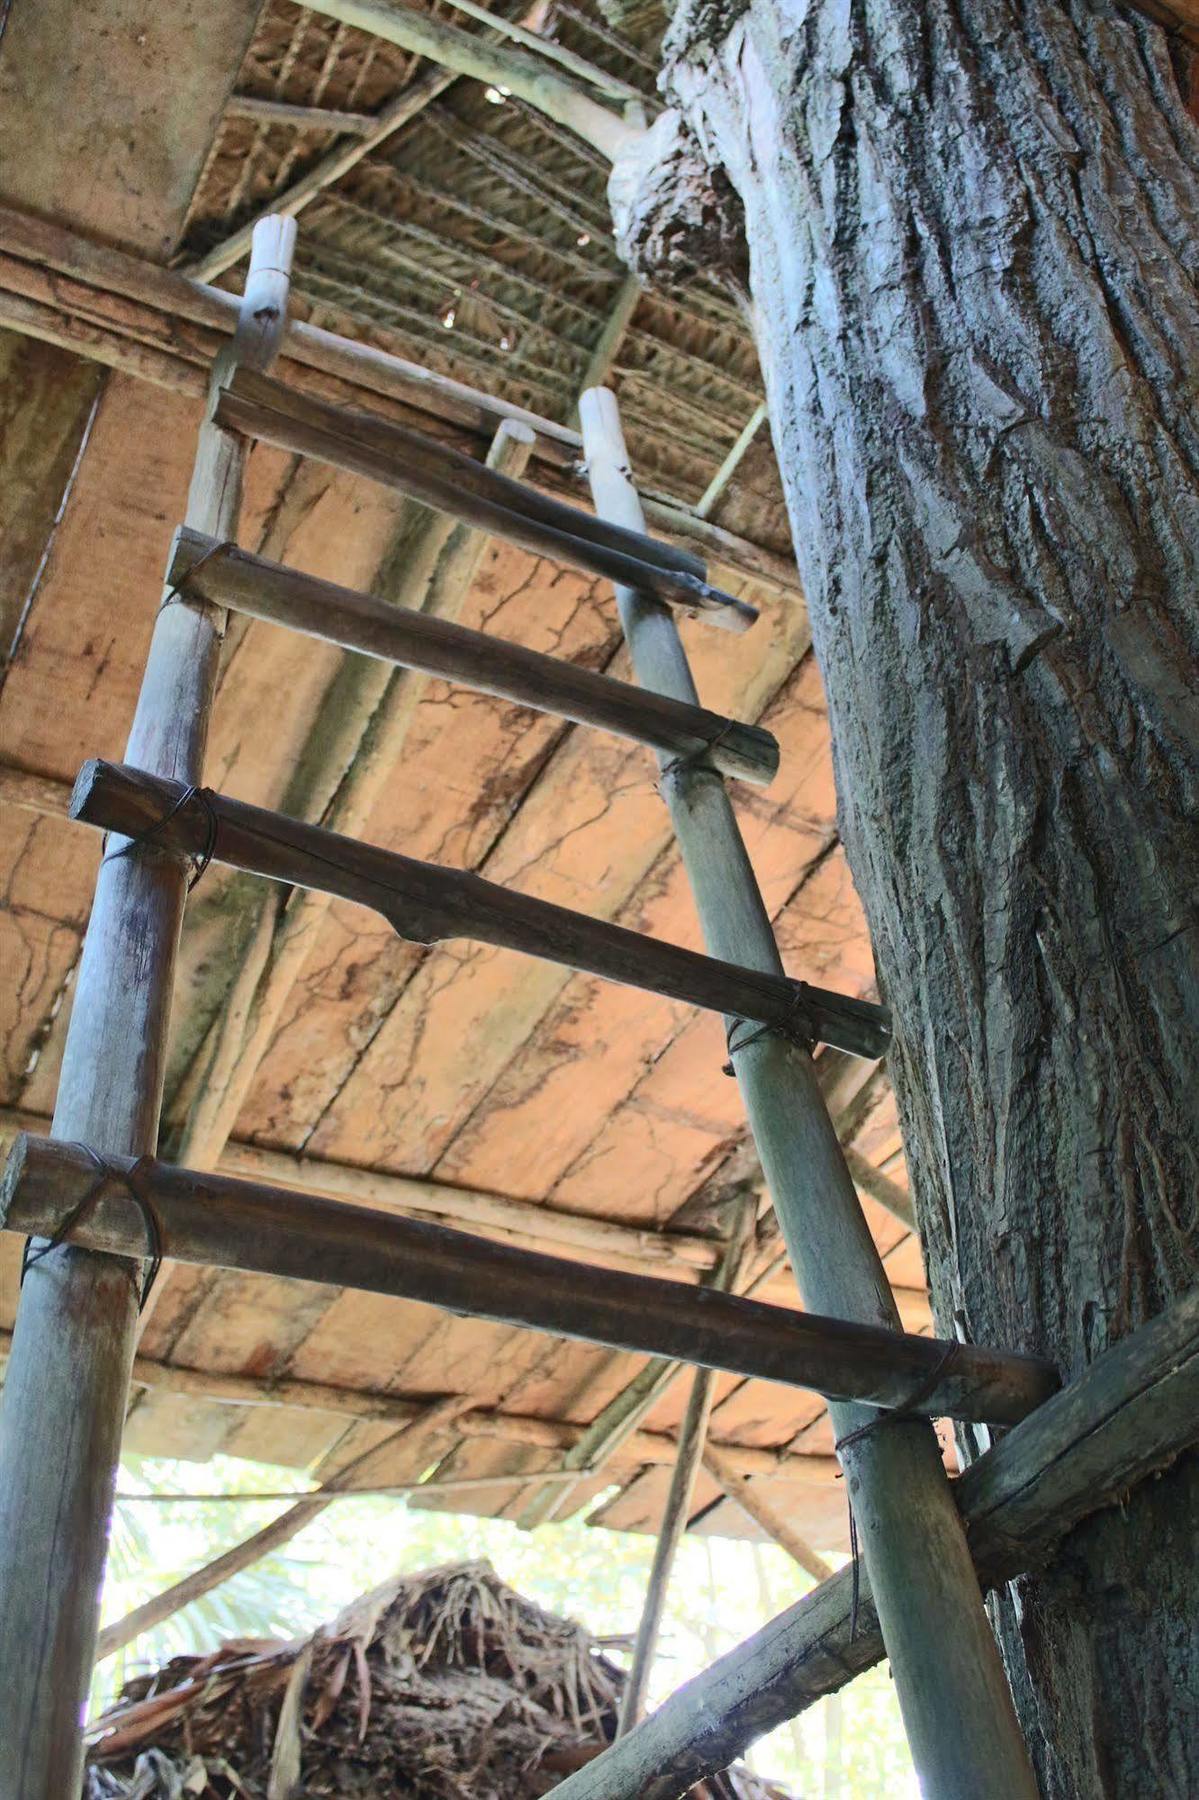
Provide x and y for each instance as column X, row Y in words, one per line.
column 466, row 1066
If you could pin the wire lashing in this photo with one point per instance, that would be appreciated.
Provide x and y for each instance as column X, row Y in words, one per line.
column 201, row 860
column 106, row 1172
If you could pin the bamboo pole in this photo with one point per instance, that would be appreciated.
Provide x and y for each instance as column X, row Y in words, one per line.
column 68, row 1373
column 684, row 1255
column 755, row 1506
column 438, row 476
column 732, row 462
column 529, row 76
column 677, row 1511
column 219, row 1221
column 299, row 118
column 953, row 1693
column 428, row 903
column 1126, row 1418
column 227, row 576
column 693, row 1434
column 591, row 73
column 421, row 1433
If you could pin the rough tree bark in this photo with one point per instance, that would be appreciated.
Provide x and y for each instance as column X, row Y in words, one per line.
column 971, row 229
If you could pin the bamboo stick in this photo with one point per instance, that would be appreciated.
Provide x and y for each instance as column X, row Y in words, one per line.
column 427, row 904
column 712, row 493
column 682, row 1253
column 421, row 1433
column 1126, row 1418
column 216, row 1220
column 591, row 73
column 693, row 1434
column 68, row 1372
column 227, row 576
column 944, row 1655
column 755, row 1506
column 529, row 76
column 330, row 168
column 299, row 118
column 399, row 458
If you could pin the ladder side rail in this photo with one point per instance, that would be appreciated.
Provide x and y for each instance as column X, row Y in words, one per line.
column 954, row 1695
column 65, row 1390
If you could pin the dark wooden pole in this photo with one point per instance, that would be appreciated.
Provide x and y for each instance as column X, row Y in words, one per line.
column 441, row 477
column 1133, row 1412
column 216, row 1220
column 427, row 903
column 65, row 1390
column 235, row 578
column 956, row 1704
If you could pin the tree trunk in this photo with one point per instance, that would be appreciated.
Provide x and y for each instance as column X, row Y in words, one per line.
column 972, row 235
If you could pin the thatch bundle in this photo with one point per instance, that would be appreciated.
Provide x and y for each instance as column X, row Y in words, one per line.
column 442, row 1686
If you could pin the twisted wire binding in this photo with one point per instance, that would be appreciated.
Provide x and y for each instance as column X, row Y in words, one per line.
column 203, row 857
column 33, row 1254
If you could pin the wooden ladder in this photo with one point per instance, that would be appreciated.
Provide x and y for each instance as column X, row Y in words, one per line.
column 99, row 1202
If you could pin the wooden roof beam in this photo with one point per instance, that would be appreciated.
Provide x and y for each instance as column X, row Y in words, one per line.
column 162, row 326
column 531, row 76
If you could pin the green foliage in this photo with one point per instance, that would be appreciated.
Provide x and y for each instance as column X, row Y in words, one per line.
column 851, row 1746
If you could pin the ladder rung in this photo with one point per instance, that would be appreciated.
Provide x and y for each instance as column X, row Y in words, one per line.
column 426, row 903
column 447, row 480
column 221, row 1221
column 227, row 576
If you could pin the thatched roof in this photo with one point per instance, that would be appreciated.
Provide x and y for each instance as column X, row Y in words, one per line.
column 470, row 1075
column 446, row 1685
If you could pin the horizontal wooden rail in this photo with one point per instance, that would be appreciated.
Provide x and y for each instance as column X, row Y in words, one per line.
column 1125, row 1418
column 207, row 570
column 427, row 903
column 218, row 1221
column 161, row 326
column 449, row 481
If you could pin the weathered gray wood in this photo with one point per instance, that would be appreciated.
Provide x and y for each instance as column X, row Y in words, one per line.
column 601, row 79
column 428, row 903
column 943, row 1653
column 444, row 478
column 68, row 1372
column 1134, row 1411
column 420, row 1434
column 267, row 590
column 220, row 1221
column 607, row 346
column 531, row 76
column 880, row 1187
column 299, row 118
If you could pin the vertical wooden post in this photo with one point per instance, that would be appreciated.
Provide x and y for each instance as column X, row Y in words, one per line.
column 68, row 1373
column 956, row 1704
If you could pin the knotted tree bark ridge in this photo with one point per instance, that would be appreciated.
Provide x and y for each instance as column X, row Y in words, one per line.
column 970, row 246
